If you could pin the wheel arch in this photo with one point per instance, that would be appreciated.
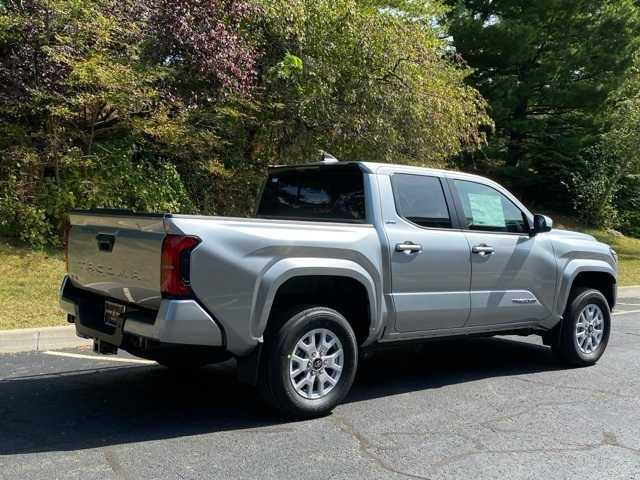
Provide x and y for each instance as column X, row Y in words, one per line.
column 337, row 283
column 597, row 275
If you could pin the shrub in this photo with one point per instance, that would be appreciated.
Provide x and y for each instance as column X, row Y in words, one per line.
column 111, row 181
column 23, row 221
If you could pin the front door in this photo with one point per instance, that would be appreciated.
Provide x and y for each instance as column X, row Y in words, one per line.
column 430, row 268
column 512, row 273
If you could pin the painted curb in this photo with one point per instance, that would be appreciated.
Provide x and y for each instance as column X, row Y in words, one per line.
column 51, row 338
column 629, row 292
column 39, row 339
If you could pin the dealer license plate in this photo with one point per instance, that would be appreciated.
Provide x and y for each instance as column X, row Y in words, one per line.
column 114, row 314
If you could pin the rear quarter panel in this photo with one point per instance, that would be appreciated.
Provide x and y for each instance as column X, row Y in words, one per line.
column 238, row 267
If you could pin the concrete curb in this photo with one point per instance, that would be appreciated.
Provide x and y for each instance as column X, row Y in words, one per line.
column 39, row 339
column 629, row 292
column 51, row 338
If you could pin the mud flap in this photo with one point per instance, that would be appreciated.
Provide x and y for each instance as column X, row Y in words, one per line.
column 552, row 337
column 249, row 366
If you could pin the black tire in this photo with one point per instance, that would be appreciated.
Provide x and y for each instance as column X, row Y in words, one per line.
column 567, row 348
column 274, row 383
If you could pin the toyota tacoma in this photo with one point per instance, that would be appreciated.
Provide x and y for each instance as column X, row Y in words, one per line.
column 341, row 258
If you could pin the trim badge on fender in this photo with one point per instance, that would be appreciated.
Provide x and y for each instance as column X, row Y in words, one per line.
column 524, row 301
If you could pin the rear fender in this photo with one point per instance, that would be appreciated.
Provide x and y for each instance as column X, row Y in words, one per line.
column 289, row 268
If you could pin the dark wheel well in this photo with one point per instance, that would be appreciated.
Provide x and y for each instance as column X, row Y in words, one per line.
column 601, row 281
column 346, row 295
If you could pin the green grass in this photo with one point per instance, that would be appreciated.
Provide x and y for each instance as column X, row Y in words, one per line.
column 628, row 249
column 29, row 287
column 30, row 278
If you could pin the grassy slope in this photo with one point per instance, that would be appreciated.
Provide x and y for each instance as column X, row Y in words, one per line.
column 628, row 249
column 30, row 279
column 29, row 287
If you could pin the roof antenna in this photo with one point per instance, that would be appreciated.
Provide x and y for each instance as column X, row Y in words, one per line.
column 326, row 157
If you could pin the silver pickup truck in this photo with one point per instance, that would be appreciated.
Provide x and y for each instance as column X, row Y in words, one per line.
column 340, row 258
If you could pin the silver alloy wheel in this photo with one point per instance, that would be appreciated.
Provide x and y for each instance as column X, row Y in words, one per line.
column 590, row 328
column 316, row 363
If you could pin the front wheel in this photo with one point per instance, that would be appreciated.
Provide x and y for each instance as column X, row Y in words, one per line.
column 585, row 328
column 310, row 363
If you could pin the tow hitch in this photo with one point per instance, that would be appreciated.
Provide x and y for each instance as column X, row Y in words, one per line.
column 104, row 348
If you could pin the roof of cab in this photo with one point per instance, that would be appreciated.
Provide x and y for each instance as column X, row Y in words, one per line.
column 374, row 167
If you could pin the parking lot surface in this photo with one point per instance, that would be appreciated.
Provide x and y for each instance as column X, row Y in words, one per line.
column 479, row 408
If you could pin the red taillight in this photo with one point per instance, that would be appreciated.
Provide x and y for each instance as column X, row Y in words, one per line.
column 65, row 243
column 174, row 265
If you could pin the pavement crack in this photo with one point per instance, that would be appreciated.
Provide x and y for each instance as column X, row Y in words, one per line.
column 610, row 439
column 525, row 411
column 580, row 389
column 431, row 433
column 489, row 451
column 365, row 447
column 115, row 466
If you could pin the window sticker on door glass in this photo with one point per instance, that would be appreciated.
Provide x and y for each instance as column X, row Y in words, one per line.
column 486, row 210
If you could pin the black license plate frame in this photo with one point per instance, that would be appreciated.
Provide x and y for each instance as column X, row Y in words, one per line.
column 114, row 314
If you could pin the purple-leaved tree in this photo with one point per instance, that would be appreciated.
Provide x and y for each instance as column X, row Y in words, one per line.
column 204, row 36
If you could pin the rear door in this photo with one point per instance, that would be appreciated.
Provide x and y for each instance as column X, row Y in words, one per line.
column 512, row 273
column 429, row 257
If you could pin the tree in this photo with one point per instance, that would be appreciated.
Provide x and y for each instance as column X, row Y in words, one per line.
column 608, row 194
column 162, row 105
column 546, row 68
column 365, row 83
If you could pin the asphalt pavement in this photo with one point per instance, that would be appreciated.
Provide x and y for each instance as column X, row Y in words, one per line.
column 478, row 408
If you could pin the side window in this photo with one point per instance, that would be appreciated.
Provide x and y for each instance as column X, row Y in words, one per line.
column 487, row 209
column 420, row 199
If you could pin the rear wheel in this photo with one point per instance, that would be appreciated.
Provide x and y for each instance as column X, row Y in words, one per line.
column 585, row 329
column 309, row 363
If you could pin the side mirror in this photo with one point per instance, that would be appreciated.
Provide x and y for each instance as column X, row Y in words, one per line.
column 541, row 223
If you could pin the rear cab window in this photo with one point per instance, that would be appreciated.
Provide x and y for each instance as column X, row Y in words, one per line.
column 316, row 193
column 420, row 199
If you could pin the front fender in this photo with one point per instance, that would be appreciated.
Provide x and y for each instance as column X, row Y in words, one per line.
column 288, row 268
column 571, row 271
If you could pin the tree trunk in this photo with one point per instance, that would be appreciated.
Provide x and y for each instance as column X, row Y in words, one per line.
column 515, row 147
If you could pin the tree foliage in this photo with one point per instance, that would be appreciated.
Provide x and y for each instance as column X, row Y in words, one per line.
column 162, row 105
column 608, row 189
column 547, row 69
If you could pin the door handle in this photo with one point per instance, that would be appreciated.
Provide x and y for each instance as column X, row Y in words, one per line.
column 105, row 242
column 408, row 248
column 483, row 249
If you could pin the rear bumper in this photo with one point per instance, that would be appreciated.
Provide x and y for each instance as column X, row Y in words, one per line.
column 178, row 321
column 182, row 322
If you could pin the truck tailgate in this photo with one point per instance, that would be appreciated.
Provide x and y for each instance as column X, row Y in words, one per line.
column 117, row 255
